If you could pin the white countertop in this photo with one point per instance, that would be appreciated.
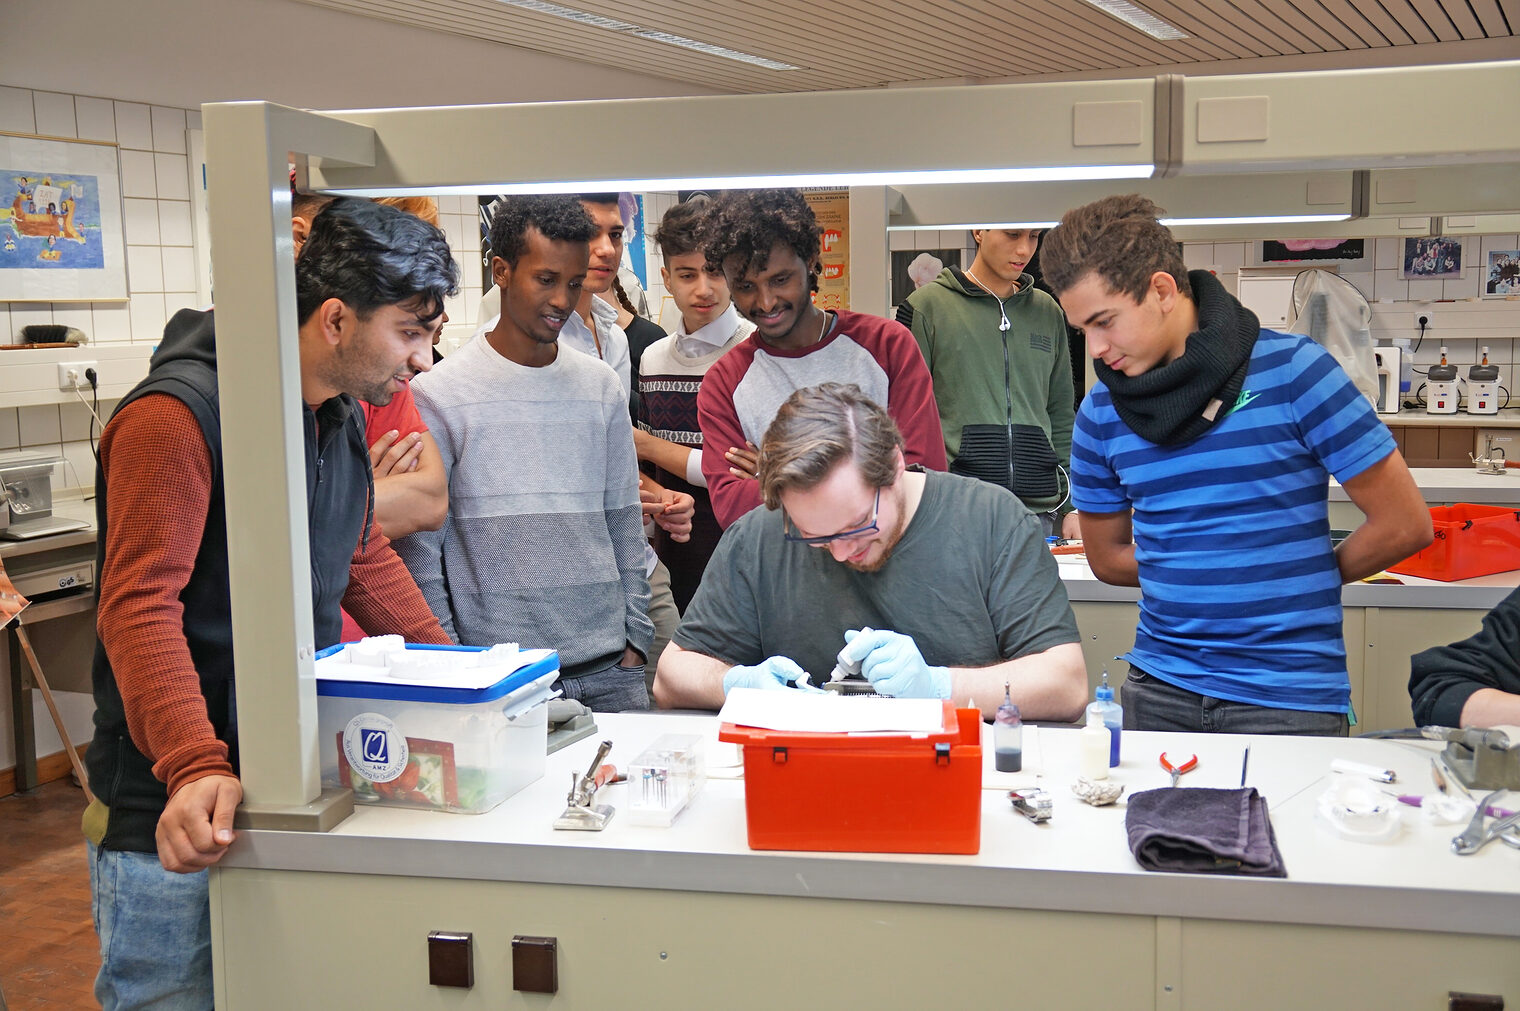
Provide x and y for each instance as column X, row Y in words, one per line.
column 1415, row 416
column 1443, row 485
column 1078, row 861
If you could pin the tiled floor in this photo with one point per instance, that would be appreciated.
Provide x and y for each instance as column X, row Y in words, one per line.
column 48, row 952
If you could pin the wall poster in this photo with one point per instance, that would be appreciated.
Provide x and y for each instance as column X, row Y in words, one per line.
column 832, row 207
column 60, row 221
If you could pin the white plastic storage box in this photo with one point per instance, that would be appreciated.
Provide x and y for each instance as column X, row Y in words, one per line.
column 449, row 728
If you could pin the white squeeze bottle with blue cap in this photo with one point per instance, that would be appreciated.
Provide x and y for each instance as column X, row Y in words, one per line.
column 1110, row 714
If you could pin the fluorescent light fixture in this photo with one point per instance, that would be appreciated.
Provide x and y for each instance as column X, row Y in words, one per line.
column 1169, row 222
column 614, row 25
column 889, row 178
column 951, row 228
column 1258, row 219
column 1136, row 17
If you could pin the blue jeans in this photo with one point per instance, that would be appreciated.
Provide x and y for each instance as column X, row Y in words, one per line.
column 1152, row 704
column 155, row 933
column 615, row 689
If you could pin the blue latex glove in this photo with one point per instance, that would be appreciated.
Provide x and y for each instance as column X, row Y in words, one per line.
column 894, row 666
column 773, row 672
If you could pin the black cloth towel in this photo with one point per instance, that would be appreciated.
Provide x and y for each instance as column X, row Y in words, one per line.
column 1195, row 830
column 1174, row 404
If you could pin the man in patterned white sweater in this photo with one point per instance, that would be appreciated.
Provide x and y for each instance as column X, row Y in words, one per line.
column 671, row 374
column 544, row 543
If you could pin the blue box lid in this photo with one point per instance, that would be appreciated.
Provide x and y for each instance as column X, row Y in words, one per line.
column 401, row 691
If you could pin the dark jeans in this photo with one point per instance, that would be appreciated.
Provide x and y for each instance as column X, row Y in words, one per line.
column 616, row 689
column 1152, row 704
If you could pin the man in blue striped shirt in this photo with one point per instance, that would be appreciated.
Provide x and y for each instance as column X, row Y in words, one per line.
column 1200, row 466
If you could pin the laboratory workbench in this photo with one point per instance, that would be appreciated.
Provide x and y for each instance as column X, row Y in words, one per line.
column 1057, row 914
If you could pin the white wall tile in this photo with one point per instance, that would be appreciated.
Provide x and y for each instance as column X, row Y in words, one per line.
column 137, row 174
column 55, row 114
column 1363, row 282
column 1424, row 290
column 470, row 272
column 113, row 322
column 174, row 223
column 179, row 268
column 145, row 269
column 75, row 315
column 74, row 420
column 1198, row 255
column 96, row 118
column 1388, row 285
column 80, row 473
column 174, row 301
column 1493, row 242
column 173, row 180
column 193, row 119
column 140, row 220
column 1230, row 256
column 1386, row 253
column 38, row 425
column 134, row 126
column 148, row 318
column 1462, row 287
column 5, row 322
column 451, row 231
column 10, row 432
column 24, row 314
column 168, row 129
column 16, row 114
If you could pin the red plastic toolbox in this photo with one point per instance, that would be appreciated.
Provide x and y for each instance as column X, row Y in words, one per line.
column 864, row 793
column 1471, row 540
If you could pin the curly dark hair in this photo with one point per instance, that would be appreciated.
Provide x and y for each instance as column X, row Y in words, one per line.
column 680, row 229
column 558, row 217
column 745, row 224
column 1118, row 238
column 370, row 256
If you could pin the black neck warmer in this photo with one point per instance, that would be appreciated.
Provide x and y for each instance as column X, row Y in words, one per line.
column 1175, row 403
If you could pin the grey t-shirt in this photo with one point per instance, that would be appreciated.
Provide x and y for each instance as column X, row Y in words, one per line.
column 971, row 581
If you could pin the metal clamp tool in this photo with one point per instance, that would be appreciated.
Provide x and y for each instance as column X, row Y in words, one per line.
column 582, row 815
column 1477, row 836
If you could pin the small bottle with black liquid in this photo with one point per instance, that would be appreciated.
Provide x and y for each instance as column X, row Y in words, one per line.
column 1008, row 735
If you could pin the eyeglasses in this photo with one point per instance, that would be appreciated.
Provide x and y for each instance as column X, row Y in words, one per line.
column 790, row 532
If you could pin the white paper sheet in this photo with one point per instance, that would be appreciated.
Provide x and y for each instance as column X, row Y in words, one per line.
column 828, row 713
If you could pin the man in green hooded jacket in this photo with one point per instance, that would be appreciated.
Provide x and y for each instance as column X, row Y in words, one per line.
column 996, row 348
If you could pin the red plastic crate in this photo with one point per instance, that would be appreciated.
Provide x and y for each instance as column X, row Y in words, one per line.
column 864, row 793
column 1471, row 540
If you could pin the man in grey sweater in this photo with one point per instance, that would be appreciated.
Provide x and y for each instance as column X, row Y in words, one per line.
column 544, row 543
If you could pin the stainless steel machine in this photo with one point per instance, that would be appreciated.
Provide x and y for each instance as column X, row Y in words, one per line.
column 26, row 486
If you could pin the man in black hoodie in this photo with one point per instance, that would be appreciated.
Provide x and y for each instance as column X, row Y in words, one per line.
column 370, row 284
column 1475, row 682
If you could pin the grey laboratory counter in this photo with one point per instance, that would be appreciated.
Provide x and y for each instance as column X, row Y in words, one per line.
column 1046, row 915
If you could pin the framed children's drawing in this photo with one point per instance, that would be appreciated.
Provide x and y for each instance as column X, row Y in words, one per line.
column 60, row 221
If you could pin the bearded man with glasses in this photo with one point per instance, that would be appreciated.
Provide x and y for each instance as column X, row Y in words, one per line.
column 941, row 585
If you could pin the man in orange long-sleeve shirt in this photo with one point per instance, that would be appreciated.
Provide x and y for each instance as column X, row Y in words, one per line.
column 370, row 284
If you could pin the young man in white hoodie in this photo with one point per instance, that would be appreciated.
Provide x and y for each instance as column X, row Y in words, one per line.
column 671, row 373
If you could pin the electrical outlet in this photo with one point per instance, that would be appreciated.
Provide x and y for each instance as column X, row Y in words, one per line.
column 71, row 375
column 1424, row 318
